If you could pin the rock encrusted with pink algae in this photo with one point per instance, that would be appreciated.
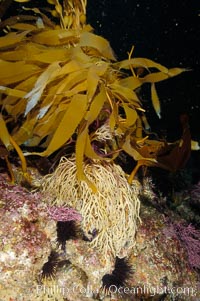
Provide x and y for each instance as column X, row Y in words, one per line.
column 63, row 214
column 160, row 262
column 26, row 232
column 189, row 238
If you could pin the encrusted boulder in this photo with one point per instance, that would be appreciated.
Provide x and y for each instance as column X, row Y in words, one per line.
column 25, row 240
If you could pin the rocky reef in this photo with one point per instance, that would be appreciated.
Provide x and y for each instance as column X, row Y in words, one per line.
column 35, row 266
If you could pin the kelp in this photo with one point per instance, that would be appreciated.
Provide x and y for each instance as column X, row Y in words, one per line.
column 9, row 143
column 113, row 211
column 60, row 81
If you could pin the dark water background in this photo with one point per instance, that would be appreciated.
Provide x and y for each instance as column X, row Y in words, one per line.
column 167, row 32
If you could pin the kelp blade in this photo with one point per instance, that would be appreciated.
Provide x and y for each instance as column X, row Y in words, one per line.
column 67, row 125
column 4, row 134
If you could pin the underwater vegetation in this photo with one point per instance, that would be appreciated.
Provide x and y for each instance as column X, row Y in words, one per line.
column 61, row 84
column 109, row 216
column 67, row 103
column 63, row 214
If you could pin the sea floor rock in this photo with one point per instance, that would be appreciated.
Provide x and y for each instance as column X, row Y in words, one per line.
column 159, row 263
column 25, row 240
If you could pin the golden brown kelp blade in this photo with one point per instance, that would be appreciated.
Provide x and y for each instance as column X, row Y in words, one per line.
column 62, row 81
column 9, row 144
